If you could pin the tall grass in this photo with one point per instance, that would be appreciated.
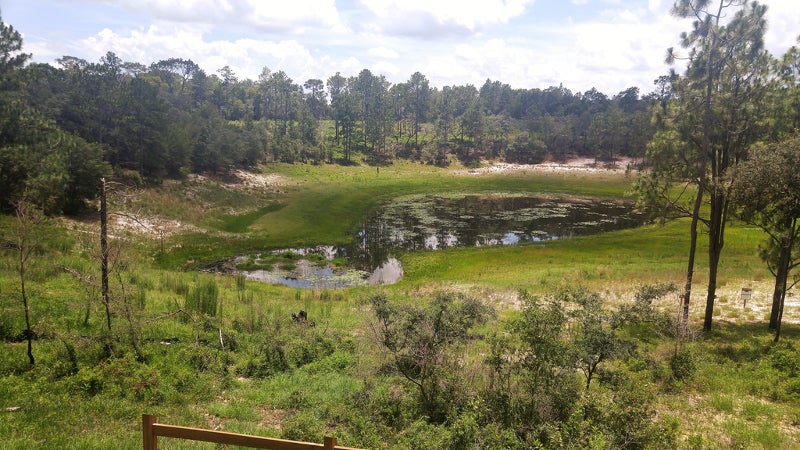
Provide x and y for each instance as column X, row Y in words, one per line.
column 203, row 298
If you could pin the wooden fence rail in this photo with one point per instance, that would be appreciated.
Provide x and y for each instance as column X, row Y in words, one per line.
column 152, row 430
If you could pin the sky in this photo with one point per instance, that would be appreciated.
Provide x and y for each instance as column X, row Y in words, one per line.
column 609, row 45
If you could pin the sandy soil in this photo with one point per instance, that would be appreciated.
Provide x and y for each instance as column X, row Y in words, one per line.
column 155, row 226
column 256, row 180
column 577, row 165
column 150, row 226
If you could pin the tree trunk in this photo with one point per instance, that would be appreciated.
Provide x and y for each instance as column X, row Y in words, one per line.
column 716, row 235
column 28, row 330
column 780, row 311
column 687, row 289
column 781, row 276
column 787, row 243
column 713, row 256
column 104, row 251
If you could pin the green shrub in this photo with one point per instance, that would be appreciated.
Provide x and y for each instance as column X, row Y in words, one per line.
column 683, row 365
column 270, row 360
column 785, row 359
column 7, row 329
column 362, row 432
column 304, row 350
column 304, row 426
column 296, row 347
column 205, row 359
column 66, row 361
column 422, row 435
column 792, row 388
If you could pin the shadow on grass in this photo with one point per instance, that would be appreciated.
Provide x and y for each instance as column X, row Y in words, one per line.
column 747, row 342
column 241, row 223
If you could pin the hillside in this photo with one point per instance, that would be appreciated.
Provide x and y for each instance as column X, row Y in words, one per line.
column 217, row 351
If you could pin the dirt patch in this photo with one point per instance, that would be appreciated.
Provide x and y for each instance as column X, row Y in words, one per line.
column 157, row 227
column 577, row 165
column 274, row 418
column 256, row 181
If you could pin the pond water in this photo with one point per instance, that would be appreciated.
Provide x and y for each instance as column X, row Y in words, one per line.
column 435, row 222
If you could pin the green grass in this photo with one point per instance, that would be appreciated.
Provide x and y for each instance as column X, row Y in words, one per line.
column 326, row 204
column 242, row 222
column 745, row 386
column 649, row 254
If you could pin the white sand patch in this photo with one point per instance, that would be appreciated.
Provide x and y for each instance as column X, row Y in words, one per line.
column 578, row 165
column 256, row 180
column 150, row 226
column 730, row 306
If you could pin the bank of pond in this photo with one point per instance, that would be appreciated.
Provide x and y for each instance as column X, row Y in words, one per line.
column 429, row 223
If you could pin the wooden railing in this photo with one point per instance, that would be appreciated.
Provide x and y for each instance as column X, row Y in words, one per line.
column 151, row 431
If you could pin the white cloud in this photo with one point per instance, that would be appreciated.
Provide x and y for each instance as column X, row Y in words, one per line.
column 468, row 14
column 246, row 57
column 623, row 52
column 383, row 52
column 606, row 44
column 611, row 50
column 655, row 6
column 293, row 15
column 783, row 17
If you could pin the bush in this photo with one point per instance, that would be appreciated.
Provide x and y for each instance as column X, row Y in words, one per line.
column 66, row 362
column 270, row 360
column 7, row 332
column 205, row 359
column 422, row 341
column 422, row 435
column 785, row 359
column 683, row 365
column 305, row 426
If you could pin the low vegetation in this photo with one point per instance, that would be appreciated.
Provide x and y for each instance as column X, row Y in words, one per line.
column 586, row 342
column 568, row 344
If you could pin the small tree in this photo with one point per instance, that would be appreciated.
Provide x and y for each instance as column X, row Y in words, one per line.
column 767, row 194
column 420, row 341
column 595, row 338
column 543, row 365
column 25, row 239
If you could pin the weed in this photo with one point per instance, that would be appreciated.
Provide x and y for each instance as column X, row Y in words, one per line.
column 203, row 298
column 722, row 403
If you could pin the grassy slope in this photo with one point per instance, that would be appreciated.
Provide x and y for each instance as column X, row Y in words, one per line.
column 734, row 388
column 325, row 204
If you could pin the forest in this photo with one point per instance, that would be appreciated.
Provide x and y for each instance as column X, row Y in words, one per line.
column 124, row 187
column 171, row 118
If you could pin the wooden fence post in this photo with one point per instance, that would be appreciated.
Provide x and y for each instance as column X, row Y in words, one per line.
column 330, row 443
column 150, row 439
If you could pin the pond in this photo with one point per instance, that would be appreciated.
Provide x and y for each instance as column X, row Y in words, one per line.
column 433, row 222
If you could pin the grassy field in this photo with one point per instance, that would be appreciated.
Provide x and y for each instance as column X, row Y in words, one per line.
column 313, row 205
column 248, row 368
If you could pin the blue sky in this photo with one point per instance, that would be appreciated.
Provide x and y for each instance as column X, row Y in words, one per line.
column 607, row 44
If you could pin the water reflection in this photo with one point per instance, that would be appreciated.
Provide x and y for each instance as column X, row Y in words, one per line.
column 307, row 275
column 438, row 222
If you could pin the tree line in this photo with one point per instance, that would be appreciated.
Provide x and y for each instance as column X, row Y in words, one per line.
column 64, row 128
column 168, row 119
